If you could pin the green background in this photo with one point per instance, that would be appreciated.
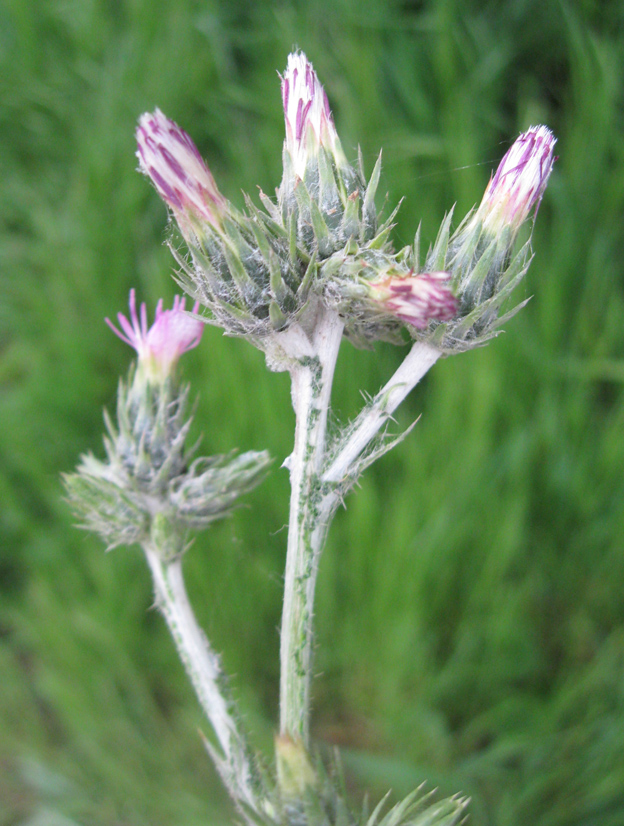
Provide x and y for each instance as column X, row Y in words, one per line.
column 470, row 608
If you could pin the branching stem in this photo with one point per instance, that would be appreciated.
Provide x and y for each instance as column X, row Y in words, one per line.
column 314, row 497
column 367, row 425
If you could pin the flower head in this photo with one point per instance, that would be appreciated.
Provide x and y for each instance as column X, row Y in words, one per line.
column 519, row 181
column 159, row 347
column 415, row 299
column 309, row 121
column 168, row 156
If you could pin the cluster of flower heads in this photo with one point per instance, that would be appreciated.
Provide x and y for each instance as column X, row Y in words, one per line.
column 257, row 272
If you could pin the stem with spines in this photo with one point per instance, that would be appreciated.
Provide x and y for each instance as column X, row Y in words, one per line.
column 231, row 756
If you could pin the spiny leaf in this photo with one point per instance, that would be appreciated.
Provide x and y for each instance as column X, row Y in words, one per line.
column 369, row 212
column 436, row 261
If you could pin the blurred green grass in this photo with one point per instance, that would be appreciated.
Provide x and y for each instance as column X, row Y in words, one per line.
column 470, row 608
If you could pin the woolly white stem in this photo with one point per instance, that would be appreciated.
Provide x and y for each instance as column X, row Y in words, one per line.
column 312, row 378
column 203, row 668
column 417, row 362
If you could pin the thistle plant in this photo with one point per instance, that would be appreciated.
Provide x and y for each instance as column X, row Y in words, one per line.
column 293, row 275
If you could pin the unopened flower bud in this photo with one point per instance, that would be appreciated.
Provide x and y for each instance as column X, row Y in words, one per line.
column 168, row 156
column 309, row 121
column 519, row 182
column 480, row 255
column 415, row 299
column 327, row 200
column 159, row 347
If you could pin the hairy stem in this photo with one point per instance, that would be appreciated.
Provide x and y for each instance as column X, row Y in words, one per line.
column 367, row 425
column 204, row 670
column 312, row 378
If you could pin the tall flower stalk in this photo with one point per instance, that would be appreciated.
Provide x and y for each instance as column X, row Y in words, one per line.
column 294, row 277
column 309, row 515
column 149, row 491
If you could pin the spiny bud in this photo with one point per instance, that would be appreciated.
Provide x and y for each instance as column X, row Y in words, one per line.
column 159, row 347
column 168, row 156
column 240, row 267
column 325, row 200
column 415, row 299
column 479, row 254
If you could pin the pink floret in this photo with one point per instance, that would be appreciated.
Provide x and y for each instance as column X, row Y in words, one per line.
column 160, row 346
column 416, row 299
